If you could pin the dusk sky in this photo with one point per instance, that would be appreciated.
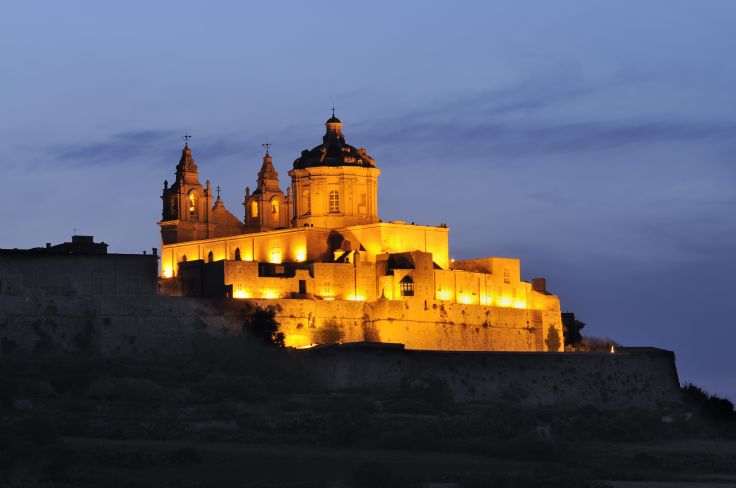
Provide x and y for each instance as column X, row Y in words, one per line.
column 594, row 140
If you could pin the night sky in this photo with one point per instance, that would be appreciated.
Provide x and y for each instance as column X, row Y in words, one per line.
column 593, row 140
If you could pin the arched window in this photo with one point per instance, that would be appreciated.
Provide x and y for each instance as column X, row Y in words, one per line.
column 254, row 209
column 407, row 286
column 334, row 202
column 275, row 208
column 210, row 257
column 192, row 206
column 307, row 205
column 237, row 254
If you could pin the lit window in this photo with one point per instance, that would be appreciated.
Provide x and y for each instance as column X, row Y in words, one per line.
column 254, row 209
column 275, row 208
column 192, row 207
column 407, row 286
column 334, row 202
column 506, row 276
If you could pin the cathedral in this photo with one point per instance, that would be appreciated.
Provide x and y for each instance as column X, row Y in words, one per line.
column 322, row 256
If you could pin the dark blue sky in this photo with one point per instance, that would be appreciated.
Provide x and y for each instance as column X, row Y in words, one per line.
column 594, row 140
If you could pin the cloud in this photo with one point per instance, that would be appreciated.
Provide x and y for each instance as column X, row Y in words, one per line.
column 537, row 118
column 125, row 146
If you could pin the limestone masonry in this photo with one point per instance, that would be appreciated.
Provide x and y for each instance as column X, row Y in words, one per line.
column 321, row 254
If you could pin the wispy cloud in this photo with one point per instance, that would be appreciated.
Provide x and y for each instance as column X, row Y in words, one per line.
column 530, row 118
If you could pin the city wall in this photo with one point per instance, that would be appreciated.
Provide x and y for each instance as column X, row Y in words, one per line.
column 630, row 377
column 147, row 326
column 142, row 324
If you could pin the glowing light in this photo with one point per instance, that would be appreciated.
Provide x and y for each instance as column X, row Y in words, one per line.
column 297, row 340
column 505, row 301
column 519, row 304
column 356, row 298
column 269, row 293
column 168, row 272
column 613, row 349
column 241, row 294
column 275, row 257
column 486, row 300
column 465, row 299
column 444, row 295
column 301, row 254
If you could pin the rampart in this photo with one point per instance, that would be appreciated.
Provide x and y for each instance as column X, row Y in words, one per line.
column 630, row 377
column 143, row 324
column 159, row 325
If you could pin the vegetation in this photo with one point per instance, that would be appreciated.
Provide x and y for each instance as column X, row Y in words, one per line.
column 571, row 328
column 597, row 344
column 331, row 332
column 261, row 323
column 710, row 405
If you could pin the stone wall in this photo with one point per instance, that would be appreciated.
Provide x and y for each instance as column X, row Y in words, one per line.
column 129, row 324
column 145, row 326
column 420, row 324
column 631, row 377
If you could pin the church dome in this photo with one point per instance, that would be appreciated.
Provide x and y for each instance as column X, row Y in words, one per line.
column 334, row 151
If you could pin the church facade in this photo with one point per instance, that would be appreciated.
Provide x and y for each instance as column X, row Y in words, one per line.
column 333, row 268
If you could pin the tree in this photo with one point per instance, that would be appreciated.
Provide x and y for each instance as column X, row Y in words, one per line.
column 261, row 323
column 571, row 329
column 553, row 340
column 330, row 333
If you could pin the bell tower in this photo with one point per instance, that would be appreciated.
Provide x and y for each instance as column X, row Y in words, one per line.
column 267, row 208
column 186, row 204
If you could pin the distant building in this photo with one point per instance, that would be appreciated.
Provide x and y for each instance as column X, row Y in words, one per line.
column 322, row 254
column 81, row 267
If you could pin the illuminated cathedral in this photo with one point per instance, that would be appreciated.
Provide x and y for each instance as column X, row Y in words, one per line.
column 322, row 256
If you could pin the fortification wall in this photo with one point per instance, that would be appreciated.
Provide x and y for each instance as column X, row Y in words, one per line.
column 160, row 325
column 127, row 324
column 419, row 324
column 634, row 377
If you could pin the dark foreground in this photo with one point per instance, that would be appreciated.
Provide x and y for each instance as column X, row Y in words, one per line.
column 234, row 415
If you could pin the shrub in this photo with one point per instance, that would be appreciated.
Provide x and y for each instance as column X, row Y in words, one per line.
column 713, row 406
column 261, row 323
column 330, row 333
column 597, row 344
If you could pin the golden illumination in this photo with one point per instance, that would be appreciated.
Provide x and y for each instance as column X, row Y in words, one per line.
column 297, row 340
column 519, row 304
column 505, row 301
column 486, row 300
column 444, row 295
column 270, row 293
column 168, row 272
column 613, row 349
column 275, row 256
column 241, row 294
column 301, row 254
column 465, row 299
column 356, row 298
